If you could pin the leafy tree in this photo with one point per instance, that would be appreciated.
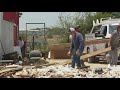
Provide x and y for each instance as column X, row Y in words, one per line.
column 84, row 19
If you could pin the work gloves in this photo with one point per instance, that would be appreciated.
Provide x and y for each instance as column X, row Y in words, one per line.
column 78, row 53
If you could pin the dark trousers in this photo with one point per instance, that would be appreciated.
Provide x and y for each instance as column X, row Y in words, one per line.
column 23, row 51
column 75, row 60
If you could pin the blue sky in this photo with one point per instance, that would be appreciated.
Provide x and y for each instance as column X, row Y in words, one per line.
column 50, row 18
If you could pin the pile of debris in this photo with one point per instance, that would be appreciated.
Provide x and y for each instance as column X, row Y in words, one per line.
column 66, row 71
column 57, row 71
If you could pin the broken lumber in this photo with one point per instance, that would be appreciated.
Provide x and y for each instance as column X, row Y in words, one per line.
column 83, row 57
column 5, row 61
column 95, row 53
column 12, row 66
column 7, row 72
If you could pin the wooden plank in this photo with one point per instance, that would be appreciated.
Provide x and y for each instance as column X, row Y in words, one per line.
column 83, row 57
column 11, row 70
column 3, row 61
column 95, row 53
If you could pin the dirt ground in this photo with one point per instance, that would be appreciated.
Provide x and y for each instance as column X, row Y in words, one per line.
column 101, row 64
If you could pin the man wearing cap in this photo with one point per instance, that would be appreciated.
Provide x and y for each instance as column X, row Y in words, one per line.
column 112, row 56
column 77, row 47
column 77, row 29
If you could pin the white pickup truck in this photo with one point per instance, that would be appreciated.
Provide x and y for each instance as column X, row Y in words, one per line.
column 99, row 31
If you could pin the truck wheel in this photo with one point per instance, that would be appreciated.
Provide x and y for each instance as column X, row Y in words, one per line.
column 119, row 57
column 91, row 60
column 35, row 53
column 96, row 60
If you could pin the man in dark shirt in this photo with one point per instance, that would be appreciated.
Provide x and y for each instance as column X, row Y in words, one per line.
column 77, row 47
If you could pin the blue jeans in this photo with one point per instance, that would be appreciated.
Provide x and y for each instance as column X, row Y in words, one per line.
column 75, row 60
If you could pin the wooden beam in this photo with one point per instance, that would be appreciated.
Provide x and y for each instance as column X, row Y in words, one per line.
column 95, row 53
column 83, row 57
column 3, row 61
column 11, row 70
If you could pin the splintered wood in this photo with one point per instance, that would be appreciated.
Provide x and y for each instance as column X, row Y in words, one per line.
column 60, row 71
column 95, row 53
column 66, row 71
column 9, row 71
column 83, row 57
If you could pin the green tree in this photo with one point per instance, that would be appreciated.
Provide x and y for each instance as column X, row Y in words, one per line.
column 84, row 19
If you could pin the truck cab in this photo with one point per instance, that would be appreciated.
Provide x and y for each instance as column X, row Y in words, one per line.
column 106, row 30
column 100, row 30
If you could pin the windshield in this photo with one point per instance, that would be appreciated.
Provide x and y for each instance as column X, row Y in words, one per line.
column 112, row 28
column 96, row 28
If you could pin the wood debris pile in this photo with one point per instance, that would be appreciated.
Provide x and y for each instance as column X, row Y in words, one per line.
column 59, row 71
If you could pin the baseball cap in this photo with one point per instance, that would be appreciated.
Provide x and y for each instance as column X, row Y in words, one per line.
column 71, row 29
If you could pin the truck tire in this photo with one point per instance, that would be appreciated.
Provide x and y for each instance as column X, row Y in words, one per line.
column 91, row 60
column 35, row 53
column 96, row 60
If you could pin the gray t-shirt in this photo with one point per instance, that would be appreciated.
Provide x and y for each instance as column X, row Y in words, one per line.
column 115, row 39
